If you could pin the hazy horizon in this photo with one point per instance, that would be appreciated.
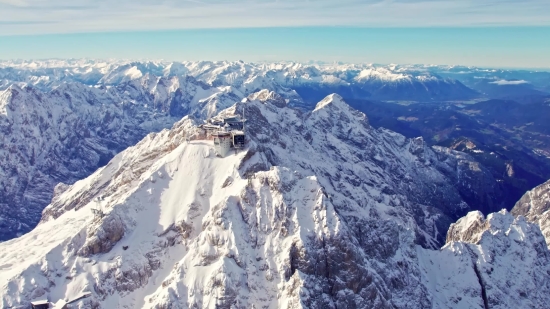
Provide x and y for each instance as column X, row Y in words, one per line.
column 490, row 47
column 483, row 33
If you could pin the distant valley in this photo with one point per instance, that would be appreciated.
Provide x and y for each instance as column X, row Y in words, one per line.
column 511, row 139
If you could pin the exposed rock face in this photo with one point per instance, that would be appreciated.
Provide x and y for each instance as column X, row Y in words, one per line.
column 320, row 211
column 468, row 229
column 66, row 134
column 102, row 237
column 535, row 206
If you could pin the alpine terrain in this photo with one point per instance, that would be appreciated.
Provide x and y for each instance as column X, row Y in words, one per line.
column 60, row 120
column 311, row 82
column 319, row 210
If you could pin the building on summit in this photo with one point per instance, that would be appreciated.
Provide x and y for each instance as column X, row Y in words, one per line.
column 227, row 133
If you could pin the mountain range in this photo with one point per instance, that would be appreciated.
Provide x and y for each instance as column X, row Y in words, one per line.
column 424, row 83
column 361, row 185
column 79, row 113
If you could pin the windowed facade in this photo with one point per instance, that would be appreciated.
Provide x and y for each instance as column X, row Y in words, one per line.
column 222, row 143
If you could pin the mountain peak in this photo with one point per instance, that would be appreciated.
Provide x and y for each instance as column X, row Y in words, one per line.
column 266, row 95
column 332, row 100
column 14, row 86
column 335, row 111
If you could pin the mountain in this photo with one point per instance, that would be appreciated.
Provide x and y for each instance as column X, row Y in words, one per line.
column 535, row 206
column 424, row 83
column 64, row 135
column 119, row 102
column 303, row 84
column 48, row 74
column 148, row 96
column 313, row 82
column 320, row 210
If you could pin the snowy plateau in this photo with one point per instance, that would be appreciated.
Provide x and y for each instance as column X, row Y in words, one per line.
column 320, row 210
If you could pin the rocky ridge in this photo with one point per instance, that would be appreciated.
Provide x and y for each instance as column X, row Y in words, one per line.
column 495, row 262
column 535, row 206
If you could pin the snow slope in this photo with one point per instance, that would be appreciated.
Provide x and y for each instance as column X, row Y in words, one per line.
column 319, row 211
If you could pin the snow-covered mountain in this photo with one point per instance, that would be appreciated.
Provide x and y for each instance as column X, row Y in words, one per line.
column 312, row 81
column 319, row 211
column 299, row 83
column 65, row 134
column 535, row 206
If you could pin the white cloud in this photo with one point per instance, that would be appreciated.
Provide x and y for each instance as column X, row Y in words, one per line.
column 61, row 16
column 13, row 2
column 503, row 82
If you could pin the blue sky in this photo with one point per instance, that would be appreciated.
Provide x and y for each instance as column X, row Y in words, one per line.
column 502, row 33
